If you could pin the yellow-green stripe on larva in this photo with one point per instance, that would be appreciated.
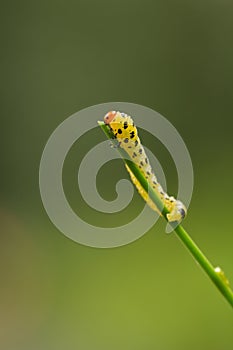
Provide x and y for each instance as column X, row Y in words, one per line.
column 126, row 134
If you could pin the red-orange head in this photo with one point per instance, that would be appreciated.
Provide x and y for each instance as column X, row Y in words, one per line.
column 109, row 117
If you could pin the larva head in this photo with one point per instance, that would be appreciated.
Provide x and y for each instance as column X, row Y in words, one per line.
column 109, row 117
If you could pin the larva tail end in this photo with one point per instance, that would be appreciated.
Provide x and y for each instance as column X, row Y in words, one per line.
column 178, row 213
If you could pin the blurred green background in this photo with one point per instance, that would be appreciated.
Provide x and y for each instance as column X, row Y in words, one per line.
column 58, row 57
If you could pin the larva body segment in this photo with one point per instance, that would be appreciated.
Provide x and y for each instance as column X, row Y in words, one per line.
column 141, row 190
column 126, row 134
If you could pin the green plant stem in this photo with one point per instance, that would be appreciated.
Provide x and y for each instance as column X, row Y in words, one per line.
column 217, row 277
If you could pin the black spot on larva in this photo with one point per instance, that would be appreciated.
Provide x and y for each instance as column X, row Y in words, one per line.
column 140, row 151
column 161, row 192
column 125, row 125
column 115, row 134
column 136, row 143
column 148, row 173
column 154, row 182
column 146, row 160
column 129, row 146
column 126, row 140
column 140, row 167
column 132, row 134
column 141, row 163
column 134, row 154
column 182, row 213
column 119, row 131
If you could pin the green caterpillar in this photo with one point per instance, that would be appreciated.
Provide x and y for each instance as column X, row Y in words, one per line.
column 126, row 134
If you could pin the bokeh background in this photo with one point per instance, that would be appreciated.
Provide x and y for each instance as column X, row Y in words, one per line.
column 58, row 57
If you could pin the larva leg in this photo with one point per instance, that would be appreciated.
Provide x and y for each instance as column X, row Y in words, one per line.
column 116, row 144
